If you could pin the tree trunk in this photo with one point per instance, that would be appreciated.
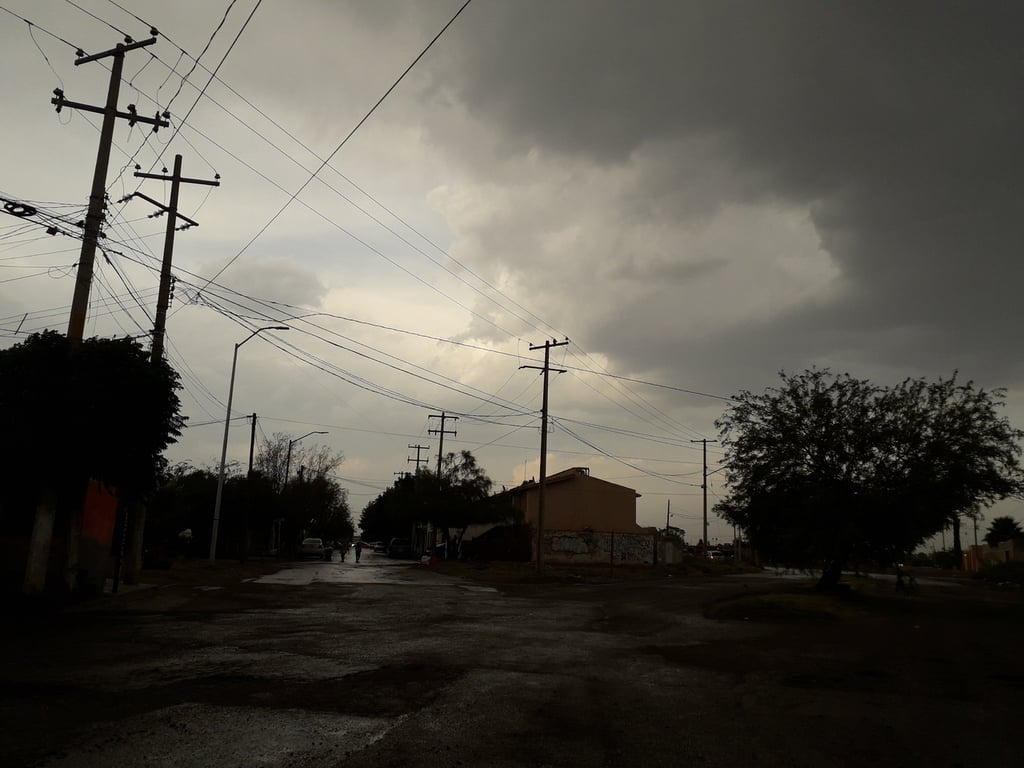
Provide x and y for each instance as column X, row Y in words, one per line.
column 39, row 543
column 958, row 551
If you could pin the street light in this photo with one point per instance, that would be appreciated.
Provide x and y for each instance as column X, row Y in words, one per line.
column 224, row 448
column 288, row 463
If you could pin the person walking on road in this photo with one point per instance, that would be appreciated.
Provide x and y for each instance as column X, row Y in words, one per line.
column 359, row 550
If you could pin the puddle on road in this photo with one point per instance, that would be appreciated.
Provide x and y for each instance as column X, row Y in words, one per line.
column 377, row 571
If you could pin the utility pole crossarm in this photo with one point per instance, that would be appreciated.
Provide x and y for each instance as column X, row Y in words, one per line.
column 182, row 179
column 418, row 460
column 542, row 368
column 119, row 49
column 163, row 208
column 164, row 294
column 132, row 116
column 441, row 432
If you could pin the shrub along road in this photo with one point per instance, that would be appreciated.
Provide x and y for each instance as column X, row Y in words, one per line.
column 439, row 670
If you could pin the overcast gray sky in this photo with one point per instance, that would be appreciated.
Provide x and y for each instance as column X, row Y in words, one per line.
column 696, row 194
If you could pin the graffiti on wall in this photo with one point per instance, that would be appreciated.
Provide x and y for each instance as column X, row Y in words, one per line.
column 598, row 547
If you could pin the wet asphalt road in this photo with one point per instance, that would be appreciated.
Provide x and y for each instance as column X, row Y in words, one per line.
column 386, row 664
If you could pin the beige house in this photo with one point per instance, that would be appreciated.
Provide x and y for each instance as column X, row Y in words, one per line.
column 576, row 501
column 981, row 556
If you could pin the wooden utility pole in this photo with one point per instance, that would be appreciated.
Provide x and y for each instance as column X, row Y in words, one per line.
column 418, row 460
column 252, row 443
column 137, row 511
column 171, row 209
column 41, row 537
column 97, row 197
column 547, row 345
column 704, row 487
column 440, row 452
column 441, row 432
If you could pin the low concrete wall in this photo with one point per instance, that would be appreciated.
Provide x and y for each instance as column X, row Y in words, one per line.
column 598, row 547
column 670, row 552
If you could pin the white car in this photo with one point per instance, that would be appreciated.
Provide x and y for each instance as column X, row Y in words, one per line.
column 312, row 548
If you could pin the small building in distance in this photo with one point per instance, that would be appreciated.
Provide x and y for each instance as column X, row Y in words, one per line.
column 586, row 520
column 576, row 501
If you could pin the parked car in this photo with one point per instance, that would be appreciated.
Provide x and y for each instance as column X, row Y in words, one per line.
column 314, row 548
column 399, row 548
column 714, row 554
column 380, row 547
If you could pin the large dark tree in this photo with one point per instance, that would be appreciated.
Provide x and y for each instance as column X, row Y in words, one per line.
column 1003, row 529
column 459, row 497
column 395, row 511
column 94, row 409
column 827, row 469
column 310, row 461
column 313, row 502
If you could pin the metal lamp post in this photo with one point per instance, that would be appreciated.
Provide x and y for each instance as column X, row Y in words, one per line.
column 288, row 462
column 224, row 448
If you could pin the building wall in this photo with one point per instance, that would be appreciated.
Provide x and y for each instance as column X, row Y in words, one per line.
column 979, row 556
column 582, row 503
column 599, row 547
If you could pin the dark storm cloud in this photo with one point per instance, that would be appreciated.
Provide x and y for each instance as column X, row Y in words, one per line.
column 896, row 125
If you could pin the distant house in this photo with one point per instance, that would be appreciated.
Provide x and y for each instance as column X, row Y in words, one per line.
column 576, row 501
column 981, row 556
column 585, row 520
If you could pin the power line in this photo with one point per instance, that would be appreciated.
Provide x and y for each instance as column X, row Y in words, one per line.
column 202, row 92
column 344, row 141
column 195, row 61
column 324, row 163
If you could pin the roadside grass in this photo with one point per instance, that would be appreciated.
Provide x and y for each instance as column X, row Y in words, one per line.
column 791, row 606
column 858, row 598
column 1009, row 573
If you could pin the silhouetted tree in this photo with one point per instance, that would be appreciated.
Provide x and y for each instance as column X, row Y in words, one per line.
column 316, row 460
column 827, row 468
column 460, row 497
column 316, row 506
column 394, row 512
column 1003, row 529
column 96, row 409
column 183, row 501
column 463, row 494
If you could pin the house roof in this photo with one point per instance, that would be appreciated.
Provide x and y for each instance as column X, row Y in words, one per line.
column 560, row 477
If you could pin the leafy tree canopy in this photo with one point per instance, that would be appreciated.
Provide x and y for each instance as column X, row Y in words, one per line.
column 455, row 499
column 1002, row 529
column 95, row 409
column 316, row 461
column 314, row 503
column 826, row 468
column 394, row 512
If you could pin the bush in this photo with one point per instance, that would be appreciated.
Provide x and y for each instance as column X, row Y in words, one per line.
column 946, row 560
column 1001, row 573
column 923, row 560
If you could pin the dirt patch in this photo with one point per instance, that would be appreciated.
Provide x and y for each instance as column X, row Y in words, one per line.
column 778, row 608
column 204, row 573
